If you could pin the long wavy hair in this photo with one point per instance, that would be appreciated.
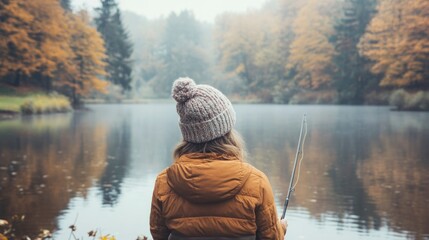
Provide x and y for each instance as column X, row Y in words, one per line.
column 230, row 144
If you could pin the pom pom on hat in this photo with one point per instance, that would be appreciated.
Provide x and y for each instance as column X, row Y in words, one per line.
column 205, row 113
column 183, row 89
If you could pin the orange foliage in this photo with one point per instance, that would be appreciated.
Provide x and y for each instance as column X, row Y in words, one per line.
column 311, row 53
column 50, row 32
column 397, row 41
column 17, row 47
column 89, row 54
column 39, row 37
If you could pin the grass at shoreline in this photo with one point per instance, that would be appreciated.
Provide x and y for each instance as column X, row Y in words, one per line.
column 31, row 101
column 11, row 103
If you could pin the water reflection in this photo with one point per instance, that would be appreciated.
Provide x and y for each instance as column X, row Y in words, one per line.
column 45, row 161
column 395, row 175
column 118, row 157
column 364, row 167
column 363, row 176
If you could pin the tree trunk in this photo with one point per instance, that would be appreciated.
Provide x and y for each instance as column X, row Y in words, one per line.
column 48, row 84
column 17, row 80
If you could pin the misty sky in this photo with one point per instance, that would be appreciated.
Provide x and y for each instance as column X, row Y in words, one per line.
column 204, row 10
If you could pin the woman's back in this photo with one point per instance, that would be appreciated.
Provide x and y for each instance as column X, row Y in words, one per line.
column 209, row 192
column 213, row 195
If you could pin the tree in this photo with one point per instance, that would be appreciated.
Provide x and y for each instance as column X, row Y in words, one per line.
column 49, row 29
column 18, row 56
column 353, row 77
column 287, row 11
column 88, row 59
column 50, row 48
column 311, row 52
column 146, row 35
column 397, row 40
column 182, row 52
column 35, row 41
column 248, row 46
column 118, row 46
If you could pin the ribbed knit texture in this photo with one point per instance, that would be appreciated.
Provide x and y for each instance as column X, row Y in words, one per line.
column 205, row 113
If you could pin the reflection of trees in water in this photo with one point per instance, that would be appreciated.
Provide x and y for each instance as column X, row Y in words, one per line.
column 351, row 144
column 118, row 159
column 365, row 167
column 270, row 136
column 272, row 148
column 315, row 191
column 395, row 173
column 45, row 161
column 368, row 165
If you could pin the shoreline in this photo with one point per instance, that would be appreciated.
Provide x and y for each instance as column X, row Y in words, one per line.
column 11, row 115
column 128, row 101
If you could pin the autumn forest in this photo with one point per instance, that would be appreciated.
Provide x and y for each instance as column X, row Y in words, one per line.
column 90, row 174
column 289, row 52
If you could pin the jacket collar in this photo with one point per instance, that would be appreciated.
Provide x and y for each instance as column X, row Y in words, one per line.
column 206, row 156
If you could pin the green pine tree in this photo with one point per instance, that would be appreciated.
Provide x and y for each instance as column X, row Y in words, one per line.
column 118, row 46
column 353, row 77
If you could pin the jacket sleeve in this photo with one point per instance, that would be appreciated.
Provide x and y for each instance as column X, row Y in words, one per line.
column 267, row 222
column 158, row 226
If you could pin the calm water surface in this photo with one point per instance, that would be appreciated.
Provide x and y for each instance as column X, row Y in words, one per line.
column 364, row 175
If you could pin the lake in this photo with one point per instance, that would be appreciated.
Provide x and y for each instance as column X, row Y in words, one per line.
column 365, row 173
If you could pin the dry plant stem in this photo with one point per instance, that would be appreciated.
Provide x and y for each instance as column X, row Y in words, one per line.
column 73, row 228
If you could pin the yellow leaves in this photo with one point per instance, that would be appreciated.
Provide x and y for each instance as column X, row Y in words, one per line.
column 107, row 237
column 396, row 40
column 42, row 104
column 311, row 53
column 2, row 237
column 258, row 45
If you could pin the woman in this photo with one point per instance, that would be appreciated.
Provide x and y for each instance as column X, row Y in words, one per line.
column 210, row 192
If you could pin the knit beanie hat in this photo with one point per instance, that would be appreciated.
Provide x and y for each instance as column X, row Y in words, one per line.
column 205, row 113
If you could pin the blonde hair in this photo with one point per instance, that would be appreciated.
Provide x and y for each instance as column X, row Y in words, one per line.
column 230, row 144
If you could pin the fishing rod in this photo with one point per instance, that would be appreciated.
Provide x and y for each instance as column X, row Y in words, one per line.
column 299, row 152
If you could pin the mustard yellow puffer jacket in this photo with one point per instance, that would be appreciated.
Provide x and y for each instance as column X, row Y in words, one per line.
column 212, row 195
